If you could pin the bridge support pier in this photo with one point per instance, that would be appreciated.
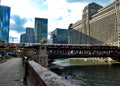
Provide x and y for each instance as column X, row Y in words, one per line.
column 28, row 52
column 43, row 57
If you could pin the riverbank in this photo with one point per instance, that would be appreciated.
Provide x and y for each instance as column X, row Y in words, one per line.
column 61, row 64
column 91, row 61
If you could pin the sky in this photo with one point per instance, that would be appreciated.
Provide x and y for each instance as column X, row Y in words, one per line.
column 60, row 13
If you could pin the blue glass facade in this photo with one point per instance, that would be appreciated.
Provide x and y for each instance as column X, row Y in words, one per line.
column 41, row 29
column 23, row 38
column 4, row 23
column 59, row 36
column 30, row 35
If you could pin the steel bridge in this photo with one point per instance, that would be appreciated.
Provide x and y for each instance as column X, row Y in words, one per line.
column 78, row 51
column 11, row 46
column 54, row 51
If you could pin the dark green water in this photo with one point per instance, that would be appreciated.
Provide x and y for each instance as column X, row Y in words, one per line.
column 100, row 75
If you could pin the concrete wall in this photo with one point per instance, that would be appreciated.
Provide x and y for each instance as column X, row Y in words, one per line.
column 104, row 29
column 103, row 25
column 40, row 76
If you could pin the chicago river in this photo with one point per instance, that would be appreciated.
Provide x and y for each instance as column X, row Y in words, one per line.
column 90, row 75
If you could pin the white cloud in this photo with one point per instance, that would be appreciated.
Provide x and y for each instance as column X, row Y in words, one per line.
column 30, row 23
column 59, row 9
column 15, row 37
column 12, row 21
column 23, row 8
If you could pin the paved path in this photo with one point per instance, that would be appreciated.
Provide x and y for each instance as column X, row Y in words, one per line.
column 12, row 73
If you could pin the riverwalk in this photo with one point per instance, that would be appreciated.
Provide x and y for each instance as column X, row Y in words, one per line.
column 12, row 72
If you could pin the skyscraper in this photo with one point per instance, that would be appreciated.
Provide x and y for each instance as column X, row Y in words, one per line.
column 29, row 35
column 41, row 28
column 4, row 23
column 23, row 38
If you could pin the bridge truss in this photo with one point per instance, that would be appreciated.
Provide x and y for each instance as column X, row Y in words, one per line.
column 77, row 51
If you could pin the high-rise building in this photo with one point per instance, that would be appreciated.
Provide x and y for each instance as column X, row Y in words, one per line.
column 29, row 35
column 80, row 31
column 99, row 25
column 4, row 23
column 41, row 29
column 59, row 36
column 23, row 38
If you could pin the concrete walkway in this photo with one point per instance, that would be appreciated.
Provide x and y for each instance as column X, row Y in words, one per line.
column 12, row 72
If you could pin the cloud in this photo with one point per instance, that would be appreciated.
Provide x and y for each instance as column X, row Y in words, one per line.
column 69, row 10
column 62, row 13
column 18, row 24
column 73, row 1
column 60, row 18
column 39, row 4
column 14, row 36
column 103, row 2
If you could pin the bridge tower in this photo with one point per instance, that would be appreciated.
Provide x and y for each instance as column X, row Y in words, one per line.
column 43, row 57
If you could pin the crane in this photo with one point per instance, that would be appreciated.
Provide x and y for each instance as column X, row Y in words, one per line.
column 13, row 38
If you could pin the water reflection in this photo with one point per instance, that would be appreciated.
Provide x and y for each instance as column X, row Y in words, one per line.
column 96, row 75
column 62, row 62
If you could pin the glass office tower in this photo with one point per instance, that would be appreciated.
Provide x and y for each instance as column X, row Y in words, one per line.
column 4, row 23
column 59, row 36
column 29, row 35
column 41, row 28
column 23, row 38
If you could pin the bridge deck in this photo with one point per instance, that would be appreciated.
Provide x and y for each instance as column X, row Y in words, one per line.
column 12, row 72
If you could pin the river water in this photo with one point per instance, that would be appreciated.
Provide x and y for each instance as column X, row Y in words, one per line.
column 92, row 75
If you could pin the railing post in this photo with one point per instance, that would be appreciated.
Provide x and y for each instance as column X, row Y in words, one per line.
column 26, row 69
